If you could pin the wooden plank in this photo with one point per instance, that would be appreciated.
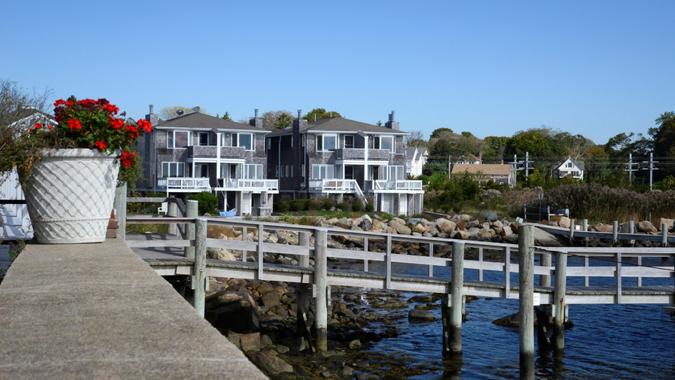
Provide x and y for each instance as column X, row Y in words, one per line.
column 286, row 249
column 419, row 260
column 146, row 199
column 232, row 244
column 158, row 243
column 337, row 253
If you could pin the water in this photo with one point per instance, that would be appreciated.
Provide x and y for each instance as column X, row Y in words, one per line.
column 606, row 342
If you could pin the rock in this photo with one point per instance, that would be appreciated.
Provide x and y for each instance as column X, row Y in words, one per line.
column 601, row 227
column 647, row 227
column 420, row 228
column 270, row 362
column 464, row 217
column 564, row 222
column 220, row 254
column 421, row 298
column 445, row 226
column 355, row 344
column 285, row 237
column 400, row 227
column 347, row 372
column 473, row 232
column 417, row 315
column 280, row 348
column 544, row 238
column 344, row 223
column 266, row 341
column 228, row 297
column 342, row 309
column 250, row 342
column 668, row 222
column 507, row 231
column 366, row 223
column 488, row 215
column 485, row 234
column 463, row 234
column 378, row 226
column 272, row 298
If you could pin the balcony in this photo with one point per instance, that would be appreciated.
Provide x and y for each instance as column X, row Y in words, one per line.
column 338, row 186
column 360, row 154
column 400, row 186
column 184, row 184
column 210, row 151
column 253, row 185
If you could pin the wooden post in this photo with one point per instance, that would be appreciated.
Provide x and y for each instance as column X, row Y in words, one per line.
column 320, row 277
column 192, row 208
column 526, row 299
column 457, row 296
column 664, row 234
column 587, row 263
column 172, row 211
column 199, row 278
column 584, row 227
column 365, row 250
column 121, row 210
column 559, row 305
column 615, row 232
column 618, row 278
column 631, row 230
column 304, row 298
column 261, row 261
column 480, row 263
column 244, row 237
column 431, row 254
column 546, row 261
column 507, row 272
column 387, row 279
column 572, row 230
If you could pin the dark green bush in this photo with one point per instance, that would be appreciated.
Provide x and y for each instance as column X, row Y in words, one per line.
column 208, row 203
column 281, row 206
column 314, row 204
column 327, row 203
column 357, row 206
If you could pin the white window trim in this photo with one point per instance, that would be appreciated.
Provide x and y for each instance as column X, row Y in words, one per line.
column 179, row 165
column 252, row 140
column 344, row 143
column 323, row 166
column 393, row 143
column 323, row 142
column 173, row 139
column 199, row 138
column 257, row 171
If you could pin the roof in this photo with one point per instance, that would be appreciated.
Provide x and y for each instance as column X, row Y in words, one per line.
column 486, row 169
column 340, row 124
column 578, row 164
column 198, row 120
column 410, row 152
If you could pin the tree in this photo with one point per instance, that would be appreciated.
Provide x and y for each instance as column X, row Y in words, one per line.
column 416, row 139
column 494, row 147
column 439, row 131
column 226, row 116
column 663, row 139
column 16, row 103
column 277, row 119
column 173, row 111
column 319, row 114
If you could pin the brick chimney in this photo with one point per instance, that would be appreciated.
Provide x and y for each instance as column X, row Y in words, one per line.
column 256, row 121
column 392, row 123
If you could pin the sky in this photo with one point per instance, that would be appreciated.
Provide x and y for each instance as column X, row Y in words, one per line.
column 595, row 68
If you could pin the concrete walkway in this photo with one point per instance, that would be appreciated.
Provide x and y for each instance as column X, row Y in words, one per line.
column 98, row 311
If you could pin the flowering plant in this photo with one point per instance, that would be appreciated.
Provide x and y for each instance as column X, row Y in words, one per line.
column 85, row 123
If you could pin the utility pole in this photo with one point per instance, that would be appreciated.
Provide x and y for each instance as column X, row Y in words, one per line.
column 651, row 168
column 630, row 168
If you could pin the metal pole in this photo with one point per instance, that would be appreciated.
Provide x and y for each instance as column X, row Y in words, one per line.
column 526, row 299
column 559, row 305
column 321, row 302
column 527, row 166
column 121, row 210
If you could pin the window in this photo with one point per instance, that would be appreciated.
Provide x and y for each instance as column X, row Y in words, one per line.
column 326, row 143
column 349, row 141
column 396, row 172
column 253, row 171
column 178, row 139
column 203, row 138
column 349, row 172
column 244, row 140
column 322, row 171
column 173, row 169
column 386, row 143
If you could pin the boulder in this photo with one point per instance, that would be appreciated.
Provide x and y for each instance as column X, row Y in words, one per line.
column 647, row 227
column 345, row 223
column 485, row 234
column 488, row 215
column 666, row 221
column 220, row 254
column 378, row 226
column 462, row 234
column 564, row 222
column 417, row 315
column 445, row 226
column 544, row 238
column 420, row 229
column 601, row 227
column 355, row 344
column 366, row 223
column 507, row 231
column 270, row 362
column 399, row 227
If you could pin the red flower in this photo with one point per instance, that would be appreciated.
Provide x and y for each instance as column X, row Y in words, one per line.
column 117, row 124
column 70, row 103
column 133, row 131
column 37, row 126
column 127, row 159
column 144, row 125
column 88, row 103
column 101, row 145
column 110, row 108
column 59, row 102
column 74, row 124
column 49, row 126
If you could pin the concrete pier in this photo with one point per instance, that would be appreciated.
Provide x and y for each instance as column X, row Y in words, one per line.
column 98, row 311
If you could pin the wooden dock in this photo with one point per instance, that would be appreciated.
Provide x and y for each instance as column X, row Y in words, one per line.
column 96, row 311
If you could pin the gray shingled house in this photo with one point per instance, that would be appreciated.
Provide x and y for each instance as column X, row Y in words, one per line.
column 197, row 152
column 338, row 156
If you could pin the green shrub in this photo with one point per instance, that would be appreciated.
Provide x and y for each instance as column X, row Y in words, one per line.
column 208, row 203
column 281, row 206
column 357, row 206
column 298, row 205
column 314, row 204
column 345, row 206
column 327, row 203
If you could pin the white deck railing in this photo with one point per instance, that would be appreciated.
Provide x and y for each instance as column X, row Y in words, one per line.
column 339, row 186
column 266, row 185
column 187, row 184
column 402, row 185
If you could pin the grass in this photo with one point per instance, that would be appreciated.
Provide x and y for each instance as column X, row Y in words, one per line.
column 143, row 228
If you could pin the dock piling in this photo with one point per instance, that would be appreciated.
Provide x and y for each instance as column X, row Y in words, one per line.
column 304, row 297
column 526, row 299
column 199, row 269
column 192, row 212
column 457, row 297
column 560, row 305
column 321, row 302
column 121, row 210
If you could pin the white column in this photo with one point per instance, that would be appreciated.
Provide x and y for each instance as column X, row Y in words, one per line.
column 218, row 144
column 193, row 169
column 365, row 159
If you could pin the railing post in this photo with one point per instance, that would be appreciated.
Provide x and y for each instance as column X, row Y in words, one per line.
column 244, row 237
column 587, row 281
column 191, row 209
column 304, row 296
column 507, row 272
column 631, row 230
column 618, row 278
column 480, row 264
column 388, row 263
column 431, row 254
column 199, row 269
column 121, row 210
column 172, row 211
column 261, row 261
column 546, row 261
column 365, row 251
column 664, row 234
column 584, row 227
column 559, row 305
column 526, row 300
column 457, row 297
column 615, row 232
column 572, row 230
column 320, row 277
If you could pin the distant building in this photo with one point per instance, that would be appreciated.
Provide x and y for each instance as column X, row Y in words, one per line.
column 415, row 158
column 571, row 168
column 503, row 174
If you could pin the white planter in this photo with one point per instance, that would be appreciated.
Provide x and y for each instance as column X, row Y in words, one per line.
column 70, row 195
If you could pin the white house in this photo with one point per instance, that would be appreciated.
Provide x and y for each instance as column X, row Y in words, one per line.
column 14, row 219
column 571, row 168
column 415, row 158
